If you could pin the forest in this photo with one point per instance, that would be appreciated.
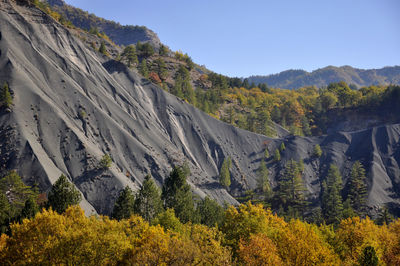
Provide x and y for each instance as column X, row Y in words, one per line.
column 171, row 226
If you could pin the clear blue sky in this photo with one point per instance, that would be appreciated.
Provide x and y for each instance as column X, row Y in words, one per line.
column 259, row 37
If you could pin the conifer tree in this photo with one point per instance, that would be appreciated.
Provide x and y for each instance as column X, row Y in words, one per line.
column 5, row 97
column 263, row 179
column 30, row 209
column 102, row 48
column 124, row 205
column 105, row 162
column 143, row 69
column 63, row 194
column 210, row 212
column 129, row 54
column 163, row 50
column 224, row 173
column 148, row 202
column 266, row 153
column 282, row 147
column 177, row 195
column 357, row 187
column 332, row 205
column 317, row 152
column 277, row 156
column 368, row 257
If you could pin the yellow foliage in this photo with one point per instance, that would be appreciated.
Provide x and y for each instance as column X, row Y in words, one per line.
column 258, row 250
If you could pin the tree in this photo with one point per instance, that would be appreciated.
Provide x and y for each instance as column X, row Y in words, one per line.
column 317, row 152
column 282, row 147
column 357, row 187
column 224, row 173
column 124, row 205
column 30, row 209
column 103, row 49
column 105, row 162
column 5, row 96
column 332, row 205
column 145, row 49
column 177, row 195
column 143, row 69
column 163, row 51
column 291, row 190
column 210, row 212
column 368, row 257
column 63, row 194
column 263, row 180
column 129, row 54
column 266, row 153
column 277, row 156
column 148, row 203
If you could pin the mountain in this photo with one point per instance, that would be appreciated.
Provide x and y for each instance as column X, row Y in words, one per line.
column 121, row 35
column 72, row 105
column 294, row 79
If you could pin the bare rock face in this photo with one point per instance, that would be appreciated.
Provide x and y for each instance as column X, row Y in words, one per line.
column 72, row 105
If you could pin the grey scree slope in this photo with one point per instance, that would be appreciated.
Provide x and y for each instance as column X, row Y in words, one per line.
column 71, row 106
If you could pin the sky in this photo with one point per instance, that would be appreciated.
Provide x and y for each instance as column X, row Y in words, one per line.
column 260, row 37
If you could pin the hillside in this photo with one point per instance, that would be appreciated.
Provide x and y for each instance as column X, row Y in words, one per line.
column 294, row 79
column 72, row 105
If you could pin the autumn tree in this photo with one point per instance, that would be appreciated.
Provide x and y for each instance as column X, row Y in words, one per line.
column 177, row 195
column 224, row 173
column 63, row 194
column 332, row 205
column 148, row 203
column 124, row 206
column 357, row 187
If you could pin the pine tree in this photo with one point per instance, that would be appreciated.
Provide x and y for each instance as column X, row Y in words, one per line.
column 5, row 97
column 30, row 209
column 129, row 54
column 105, row 162
column 103, row 49
column 332, row 205
column 266, row 153
column 277, row 156
column 124, row 205
column 148, row 202
column 143, row 69
column 5, row 212
column 263, row 179
column 63, row 194
column 177, row 195
column 163, row 51
column 368, row 257
column 224, row 173
column 291, row 190
column 282, row 147
column 317, row 152
column 210, row 212
column 357, row 187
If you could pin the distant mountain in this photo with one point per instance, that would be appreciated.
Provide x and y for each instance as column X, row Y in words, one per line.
column 294, row 79
column 121, row 35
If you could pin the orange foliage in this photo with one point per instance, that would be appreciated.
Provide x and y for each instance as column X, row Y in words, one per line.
column 258, row 250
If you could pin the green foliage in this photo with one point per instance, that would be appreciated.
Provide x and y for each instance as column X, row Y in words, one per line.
column 124, row 205
column 277, row 155
column 163, row 51
column 63, row 194
column 169, row 221
column 148, row 203
column 224, row 173
column 161, row 69
column 266, row 153
column 368, row 257
column 143, row 69
column 105, row 162
column 145, row 49
column 282, row 147
column 317, row 151
column 103, row 48
column 177, row 195
column 5, row 97
column 332, row 205
column 210, row 212
column 183, row 88
column 30, row 209
column 129, row 54
column 263, row 179
column 291, row 190
column 357, row 187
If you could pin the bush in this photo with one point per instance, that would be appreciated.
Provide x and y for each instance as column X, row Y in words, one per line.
column 105, row 162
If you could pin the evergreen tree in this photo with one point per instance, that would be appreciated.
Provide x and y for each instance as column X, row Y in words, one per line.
column 183, row 88
column 210, row 212
column 102, row 48
column 105, row 162
column 317, row 152
column 348, row 211
column 163, row 50
column 63, row 194
column 129, row 54
column 30, row 209
column 5, row 213
column 124, row 205
column 266, row 153
column 143, row 69
column 177, row 195
column 263, row 179
column 368, row 257
column 5, row 96
column 291, row 190
column 148, row 202
column 161, row 68
column 282, row 147
column 224, row 173
column 277, row 156
column 357, row 187
column 332, row 205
